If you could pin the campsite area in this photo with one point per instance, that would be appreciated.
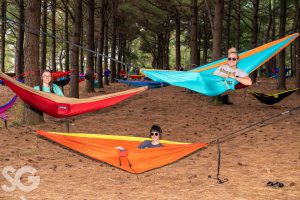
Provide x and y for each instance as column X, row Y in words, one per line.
column 249, row 161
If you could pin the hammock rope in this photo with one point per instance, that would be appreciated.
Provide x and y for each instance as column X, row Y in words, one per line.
column 235, row 133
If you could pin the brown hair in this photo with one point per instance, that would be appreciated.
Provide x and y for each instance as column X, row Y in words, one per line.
column 50, row 84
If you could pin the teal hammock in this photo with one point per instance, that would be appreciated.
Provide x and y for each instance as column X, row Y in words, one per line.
column 202, row 80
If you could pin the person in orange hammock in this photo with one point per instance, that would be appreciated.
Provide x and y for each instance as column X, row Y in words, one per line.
column 155, row 135
column 230, row 69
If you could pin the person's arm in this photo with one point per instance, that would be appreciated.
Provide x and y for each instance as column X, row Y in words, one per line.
column 246, row 80
column 57, row 90
column 219, row 72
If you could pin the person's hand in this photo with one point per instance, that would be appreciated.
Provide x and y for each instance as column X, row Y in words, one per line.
column 231, row 76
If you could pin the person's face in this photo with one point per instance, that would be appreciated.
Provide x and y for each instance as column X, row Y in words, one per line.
column 154, row 135
column 232, row 59
column 46, row 77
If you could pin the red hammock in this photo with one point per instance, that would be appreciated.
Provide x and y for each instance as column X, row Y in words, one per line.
column 61, row 107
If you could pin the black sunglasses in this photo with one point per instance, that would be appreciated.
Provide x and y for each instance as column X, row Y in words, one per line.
column 155, row 133
column 234, row 59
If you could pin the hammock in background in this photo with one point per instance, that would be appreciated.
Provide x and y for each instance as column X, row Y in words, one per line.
column 272, row 98
column 136, row 83
column 61, row 107
column 202, row 80
column 122, row 151
column 5, row 107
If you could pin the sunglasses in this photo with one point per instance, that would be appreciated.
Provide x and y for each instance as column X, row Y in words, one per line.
column 234, row 59
column 155, row 133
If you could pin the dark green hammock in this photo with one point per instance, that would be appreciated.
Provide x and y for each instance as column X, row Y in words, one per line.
column 272, row 98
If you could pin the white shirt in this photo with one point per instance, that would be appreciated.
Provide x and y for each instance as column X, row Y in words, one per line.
column 227, row 70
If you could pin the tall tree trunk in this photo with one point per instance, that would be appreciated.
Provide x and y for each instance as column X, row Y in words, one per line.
column 166, row 65
column 67, row 47
column 177, row 45
column 194, row 61
column 91, row 46
column 120, row 51
column 282, row 24
column 217, row 29
column 19, row 56
column 206, row 38
column 114, row 41
column 100, row 46
column 238, row 26
column 53, row 26
column 294, row 44
column 106, row 80
column 44, row 37
column 76, row 32
column 31, row 56
column 297, row 46
column 216, row 26
column 254, row 36
column 81, row 57
column 228, row 24
column 3, row 32
column 200, row 36
column 160, row 50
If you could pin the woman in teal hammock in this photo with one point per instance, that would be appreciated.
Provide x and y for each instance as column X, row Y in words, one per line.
column 230, row 69
column 46, row 84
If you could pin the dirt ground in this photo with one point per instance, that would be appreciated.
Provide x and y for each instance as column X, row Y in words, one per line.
column 249, row 161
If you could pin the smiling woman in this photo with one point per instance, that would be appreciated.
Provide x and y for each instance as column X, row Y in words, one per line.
column 46, row 84
column 155, row 135
column 230, row 69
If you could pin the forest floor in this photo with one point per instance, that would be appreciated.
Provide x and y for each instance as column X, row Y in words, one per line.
column 249, row 161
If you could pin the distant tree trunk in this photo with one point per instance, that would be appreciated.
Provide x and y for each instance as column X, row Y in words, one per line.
column 282, row 24
column 53, row 26
column 91, row 46
column 228, row 24
column 199, row 40
column 194, row 61
column 3, row 32
column 177, row 45
column 100, row 46
column 44, row 37
column 76, row 32
column 253, row 75
column 106, row 80
column 297, row 46
column 166, row 42
column 114, row 41
column 31, row 56
column 159, row 50
column 120, row 51
column 19, row 56
column 81, row 57
column 238, row 26
column 206, row 38
column 293, row 51
column 67, row 47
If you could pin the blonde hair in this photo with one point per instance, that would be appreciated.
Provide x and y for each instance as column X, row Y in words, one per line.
column 233, row 50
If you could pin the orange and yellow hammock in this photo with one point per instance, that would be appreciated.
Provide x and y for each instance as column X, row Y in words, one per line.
column 134, row 160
